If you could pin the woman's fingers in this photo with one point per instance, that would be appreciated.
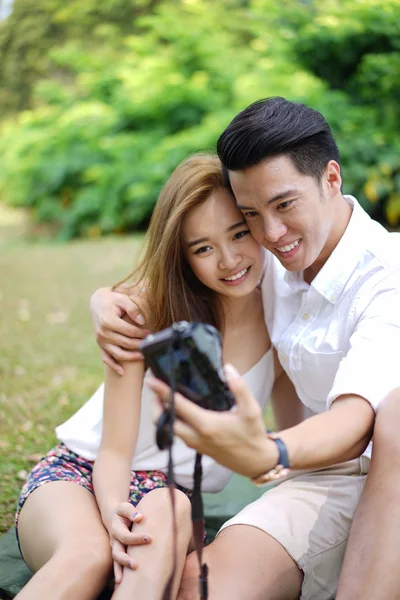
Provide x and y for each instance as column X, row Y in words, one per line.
column 129, row 538
column 121, row 559
column 117, row 572
column 122, row 537
column 121, row 526
column 128, row 511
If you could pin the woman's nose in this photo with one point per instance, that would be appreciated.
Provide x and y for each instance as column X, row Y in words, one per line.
column 229, row 260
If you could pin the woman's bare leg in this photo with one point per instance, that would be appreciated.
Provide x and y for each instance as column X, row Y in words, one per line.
column 155, row 560
column 64, row 542
column 244, row 563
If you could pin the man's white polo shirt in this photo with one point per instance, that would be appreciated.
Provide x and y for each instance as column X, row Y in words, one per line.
column 340, row 334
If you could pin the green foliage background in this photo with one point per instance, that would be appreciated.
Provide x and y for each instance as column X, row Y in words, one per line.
column 101, row 100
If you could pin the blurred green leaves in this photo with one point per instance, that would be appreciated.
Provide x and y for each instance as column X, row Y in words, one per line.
column 122, row 91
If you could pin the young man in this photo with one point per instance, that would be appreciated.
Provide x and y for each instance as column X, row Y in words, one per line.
column 331, row 295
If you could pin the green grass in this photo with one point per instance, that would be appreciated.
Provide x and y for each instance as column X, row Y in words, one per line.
column 49, row 361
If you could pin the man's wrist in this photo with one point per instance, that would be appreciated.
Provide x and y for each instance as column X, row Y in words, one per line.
column 268, row 457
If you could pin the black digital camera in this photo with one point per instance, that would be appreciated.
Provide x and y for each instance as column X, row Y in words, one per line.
column 194, row 352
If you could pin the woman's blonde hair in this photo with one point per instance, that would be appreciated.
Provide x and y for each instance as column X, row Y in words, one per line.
column 173, row 291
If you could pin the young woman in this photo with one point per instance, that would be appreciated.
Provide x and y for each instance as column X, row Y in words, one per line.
column 104, row 484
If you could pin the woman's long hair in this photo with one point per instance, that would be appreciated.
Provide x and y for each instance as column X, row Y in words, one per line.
column 173, row 291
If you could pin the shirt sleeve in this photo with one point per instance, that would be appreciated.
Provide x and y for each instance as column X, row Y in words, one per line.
column 371, row 367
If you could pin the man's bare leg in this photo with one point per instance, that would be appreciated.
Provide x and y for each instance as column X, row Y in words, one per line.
column 371, row 569
column 244, row 564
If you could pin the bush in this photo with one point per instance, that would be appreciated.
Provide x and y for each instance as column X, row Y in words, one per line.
column 355, row 47
column 92, row 157
column 101, row 138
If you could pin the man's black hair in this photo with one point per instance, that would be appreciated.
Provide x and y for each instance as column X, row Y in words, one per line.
column 273, row 127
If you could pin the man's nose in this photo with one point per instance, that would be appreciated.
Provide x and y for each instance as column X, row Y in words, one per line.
column 274, row 229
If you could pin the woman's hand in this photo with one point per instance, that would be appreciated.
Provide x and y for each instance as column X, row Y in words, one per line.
column 121, row 536
column 235, row 438
column 118, row 339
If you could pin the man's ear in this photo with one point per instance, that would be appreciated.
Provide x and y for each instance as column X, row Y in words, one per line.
column 332, row 177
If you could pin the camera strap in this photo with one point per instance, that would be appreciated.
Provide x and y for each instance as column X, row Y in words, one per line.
column 171, row 487
column 169, row 426
column 196, row 499
column 198, row 526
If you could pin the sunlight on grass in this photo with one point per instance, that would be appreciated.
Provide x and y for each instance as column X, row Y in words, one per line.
column 49, row 362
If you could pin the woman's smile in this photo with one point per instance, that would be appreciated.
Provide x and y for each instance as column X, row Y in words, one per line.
column 237, row 278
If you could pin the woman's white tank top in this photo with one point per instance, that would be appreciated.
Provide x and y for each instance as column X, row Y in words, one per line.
column 82, row 433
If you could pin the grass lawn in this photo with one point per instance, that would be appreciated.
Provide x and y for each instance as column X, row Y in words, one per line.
column 49, row 362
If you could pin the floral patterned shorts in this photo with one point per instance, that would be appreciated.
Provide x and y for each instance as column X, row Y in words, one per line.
column 61, row 464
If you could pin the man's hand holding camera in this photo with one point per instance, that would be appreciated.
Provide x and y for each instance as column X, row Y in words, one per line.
column 235, row 438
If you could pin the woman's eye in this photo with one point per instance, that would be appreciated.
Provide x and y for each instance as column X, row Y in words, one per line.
column 241, row 234
column 251, row 214
column 203, row 249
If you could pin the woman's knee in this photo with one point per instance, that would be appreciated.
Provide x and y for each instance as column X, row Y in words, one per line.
column 159, row 501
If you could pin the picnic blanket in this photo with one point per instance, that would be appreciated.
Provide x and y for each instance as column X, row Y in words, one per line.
column 14, row 574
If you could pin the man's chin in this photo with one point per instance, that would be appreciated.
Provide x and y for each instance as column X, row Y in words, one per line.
column 290, row 265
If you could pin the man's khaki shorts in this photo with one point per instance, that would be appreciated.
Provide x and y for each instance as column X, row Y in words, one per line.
column 310, row 515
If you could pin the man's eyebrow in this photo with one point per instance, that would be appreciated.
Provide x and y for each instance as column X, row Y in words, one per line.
column 206, row 239
column 280, row 196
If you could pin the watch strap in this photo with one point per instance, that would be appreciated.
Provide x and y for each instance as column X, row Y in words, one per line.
column 283, row 459
column 280, row 468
